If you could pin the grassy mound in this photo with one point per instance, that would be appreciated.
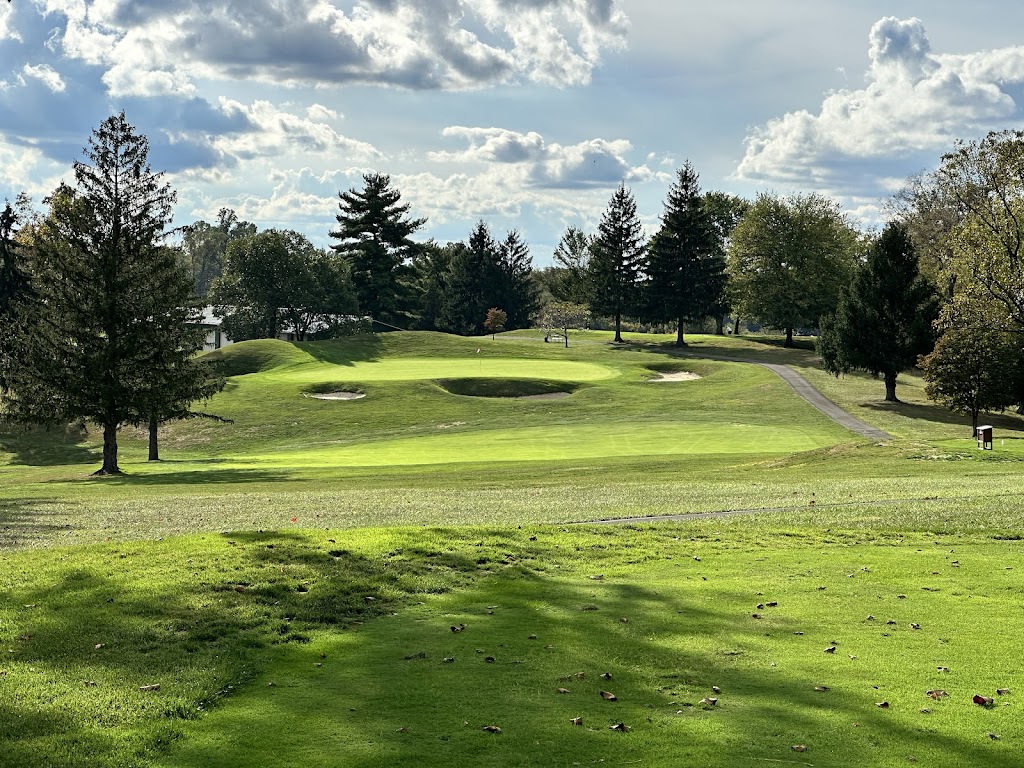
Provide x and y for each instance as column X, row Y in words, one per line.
column 480, row 387
column 256, row 356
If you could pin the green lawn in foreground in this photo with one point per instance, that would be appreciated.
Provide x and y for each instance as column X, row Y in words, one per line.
column 273, row 635
column 215, row 619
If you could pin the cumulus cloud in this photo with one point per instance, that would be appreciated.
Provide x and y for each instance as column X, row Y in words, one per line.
column 914, row 104
column 593, row 163
column 45, row 74
column 162, row 47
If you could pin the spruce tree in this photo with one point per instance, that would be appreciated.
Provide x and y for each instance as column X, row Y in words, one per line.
column 616, row 261
column 686, row 264
column 374, row 233
column 471, row 283
column 109, row 311
column 14, row 284
column 516, row 290
column 884, row 319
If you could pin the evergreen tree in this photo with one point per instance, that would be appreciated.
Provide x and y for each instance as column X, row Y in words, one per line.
column 686, row 265
column 617, row 260
column 110, row 301
column 516, row 292
column 374, row 233
column 572, row 255
column 884, row 319
column 14, row 283
column 472, row 280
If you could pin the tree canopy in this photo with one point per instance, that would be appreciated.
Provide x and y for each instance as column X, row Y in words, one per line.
column 617, row 260
column 374, row 238
column 883, row 322
column 790, row 258
column 106, row 327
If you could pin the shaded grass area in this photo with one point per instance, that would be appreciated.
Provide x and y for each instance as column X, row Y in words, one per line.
column 268, row 651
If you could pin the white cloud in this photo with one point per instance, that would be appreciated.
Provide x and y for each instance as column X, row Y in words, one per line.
column 419, row 44
column 914, row 102
column 45, row 74
column 593, row 163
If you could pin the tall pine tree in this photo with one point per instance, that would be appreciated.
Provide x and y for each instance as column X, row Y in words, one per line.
column 517, row 293
column 110, row 303
column 617, row 259
column 14, row 284
column 884, row 320
column 471, row 284
column 374, row 233
column 686, row 264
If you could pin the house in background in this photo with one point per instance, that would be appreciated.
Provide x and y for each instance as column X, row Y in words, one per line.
column 217, row 339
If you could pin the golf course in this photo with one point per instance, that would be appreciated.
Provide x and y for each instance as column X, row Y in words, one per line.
column 422, row 549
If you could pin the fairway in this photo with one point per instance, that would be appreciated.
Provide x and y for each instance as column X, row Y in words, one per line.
column 560, row 443
column 413, row 369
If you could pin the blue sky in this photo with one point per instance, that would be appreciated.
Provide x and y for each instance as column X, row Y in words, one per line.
column 524, row 113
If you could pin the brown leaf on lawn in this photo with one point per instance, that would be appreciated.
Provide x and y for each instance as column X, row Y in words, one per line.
column 403, row 729
column 619, row 727
column 607, row 695
column 821, row 687
column 100, row 645
column 799, row 748
column 448, row 659
column 983, row 701
column 830, row 649
column 760, row 606
column 532, row 637
column 1002, row 691
column 708, row 702
column 491, row 729
column 489, row 659
column 576, row 720
column 870, row 618
column 581, row 675
column 937, row 694
column 755, row 615
column 925, row 711
column 598, row 577
column 88, row 683
column 563, row 690
column 942, row 669
column 153, row 687
column 882, row 704
column 901, row 597
column 914, row 625
column 715, row 689
column 994, row 736
column 606, row 675
column 458, row 627
column 890, row 623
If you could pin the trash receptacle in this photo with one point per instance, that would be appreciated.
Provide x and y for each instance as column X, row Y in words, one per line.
column 984, row 435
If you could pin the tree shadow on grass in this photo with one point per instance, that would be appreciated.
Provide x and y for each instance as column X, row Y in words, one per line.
column 27, row 520
column 204, row 617
column 942, row 415
column 40, row 447
column 345, row 351
column 194, row 478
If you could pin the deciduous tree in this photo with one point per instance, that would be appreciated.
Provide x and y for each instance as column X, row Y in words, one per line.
column 790, row 258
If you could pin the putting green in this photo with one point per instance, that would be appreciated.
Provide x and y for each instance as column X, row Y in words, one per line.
column 413, row 369
column 557, row 443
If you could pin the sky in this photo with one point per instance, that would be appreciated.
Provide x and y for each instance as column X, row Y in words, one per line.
column 525, row 114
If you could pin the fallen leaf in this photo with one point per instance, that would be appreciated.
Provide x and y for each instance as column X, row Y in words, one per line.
column 925, row 711
column 994, row 736
column 821, row 687
column 90, row 683
column 890, row 623
column 489, row 659
column 576, row 720
column 830, row 649
column 607, row 695
column 716, row 689
column 599, row 577
column 403, row 729
column 491, row 729
column 606, row 675
column 760, row 606
column 882, row 704
column 153, row 687
column 870, row 618
column 708, row 702
column 532, row 637
column 1002, row 691
column 942, row 669
column 773, row 604
column 448, row 659
column 619, row 727
column 852, row 657
column 937, row 694
column 914, row 625
column 901, row 597
column 799, row 748
column 458, row 628
column 983, row 701
column 100, row 645
column 563, row 690
column 755, row 615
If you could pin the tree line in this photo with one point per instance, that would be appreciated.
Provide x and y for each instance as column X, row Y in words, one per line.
column 99, row 295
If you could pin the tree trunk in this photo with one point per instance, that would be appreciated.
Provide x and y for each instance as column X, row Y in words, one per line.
column 680, row 341
column 565, row 335
column 736, row 326
column 618, row 327
column 720, row 325
column 109, row 451
column 789, row 338
column 974, row 422
column 890, row 388
column 154, row 448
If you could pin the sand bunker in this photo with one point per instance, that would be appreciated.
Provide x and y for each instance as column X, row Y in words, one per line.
column 679, row 376
column 337, row 395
